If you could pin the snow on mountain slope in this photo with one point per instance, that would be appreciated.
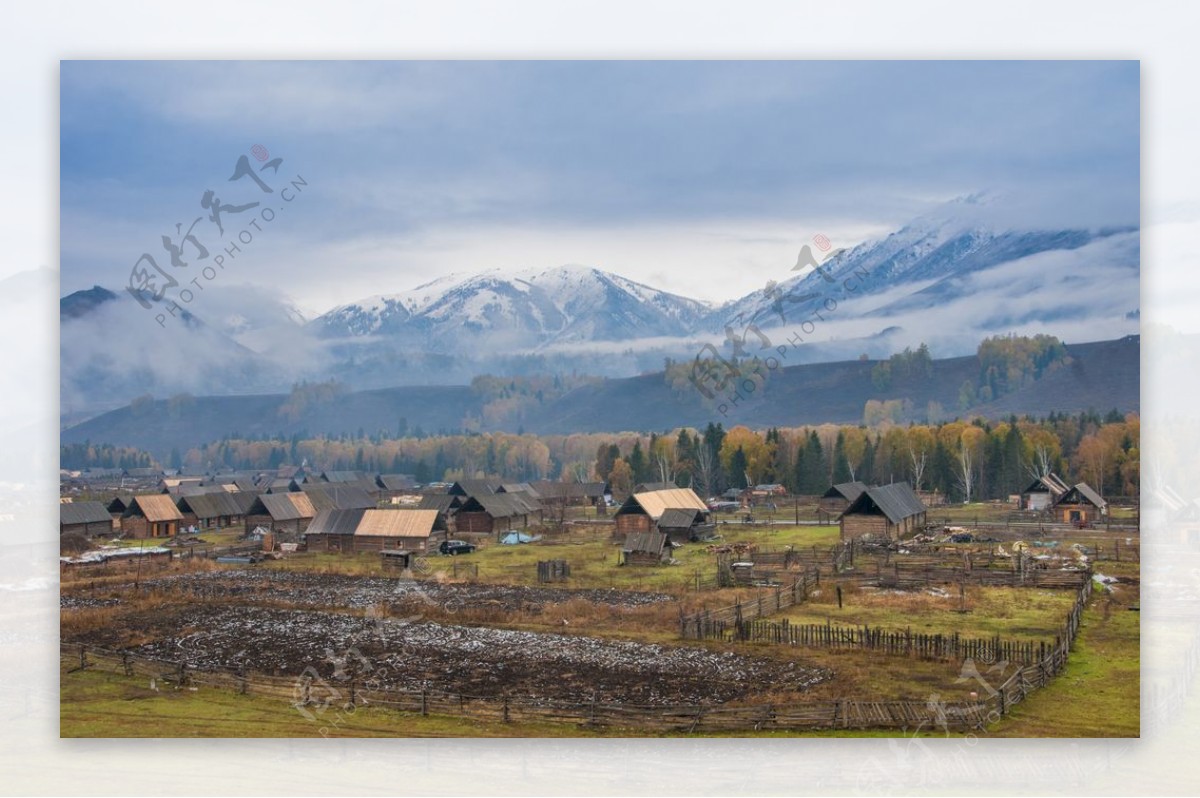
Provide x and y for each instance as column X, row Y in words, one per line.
column 915, row 267
column 526, row 309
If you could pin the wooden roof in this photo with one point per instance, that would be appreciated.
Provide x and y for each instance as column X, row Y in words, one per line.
column 284, row 506
column 847, row 490
column 649, row 542
column 897, row 501
column 155, row 508
column 655, row 502
column 83, row 513
column 374, row 523
column 678, row 518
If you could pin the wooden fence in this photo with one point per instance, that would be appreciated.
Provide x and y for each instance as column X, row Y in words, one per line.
column 327, row 702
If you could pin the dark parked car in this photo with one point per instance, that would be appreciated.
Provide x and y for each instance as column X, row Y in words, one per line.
column 456, row 547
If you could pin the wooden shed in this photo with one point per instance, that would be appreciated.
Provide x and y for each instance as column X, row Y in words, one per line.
column 1080, row 505
column 366, row 529
column 886, row 512
column 1043, row 493
column 151, row 516
column 90, row 519
column 646, row 548
column 683, row 524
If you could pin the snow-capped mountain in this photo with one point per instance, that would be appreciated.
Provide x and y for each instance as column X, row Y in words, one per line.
column 949, row 278
column 957, row 255
column 527, row 309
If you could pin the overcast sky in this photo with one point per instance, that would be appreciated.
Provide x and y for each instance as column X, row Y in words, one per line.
column 702, row 178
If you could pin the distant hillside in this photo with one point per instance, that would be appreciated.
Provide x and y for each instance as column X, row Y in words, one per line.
column 1101, row 376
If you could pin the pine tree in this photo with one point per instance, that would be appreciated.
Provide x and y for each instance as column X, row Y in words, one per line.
column 841, row 465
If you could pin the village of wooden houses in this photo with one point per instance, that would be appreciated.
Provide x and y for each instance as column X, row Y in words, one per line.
column 294, row 600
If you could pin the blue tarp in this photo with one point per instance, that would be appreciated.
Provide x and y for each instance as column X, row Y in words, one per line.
column 513, row 538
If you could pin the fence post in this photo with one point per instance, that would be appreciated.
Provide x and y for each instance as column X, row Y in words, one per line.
column 82, row 656
column 424, row 704
column 506, row 709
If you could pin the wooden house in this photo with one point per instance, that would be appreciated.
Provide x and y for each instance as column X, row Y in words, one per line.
column 835, row 500
column 641, row 511
column 883, row 512
column 1043, row 493
column 285, row 515
column 492, row 512
column 1080, row 505
column 368, row 529
column 646, row 548
column 211, row 510
column 393, row 486
column 338, row 496
column 90, row 519
column 570, row 494
column 151, row 516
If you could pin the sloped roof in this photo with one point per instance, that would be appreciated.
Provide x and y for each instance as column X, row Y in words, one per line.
column 335, row 522
column 395, row 481
column 335, row 496
column 442, row 502
column 568, row 490
column 340, row 476
column 677, row 518
column 210, row 505
column 650, row 542
column 285, row 506
column 655, row 502
column 519, row 487
column 474, row 487
column 1084, row 491
column 397, row 523
column 497, row 505
column 1047, row 484
column 849, row 490
column 83, row 513
column 897, row 501
column 375, row 523
column 243, row 500
column 155, row 507
column 648, row 487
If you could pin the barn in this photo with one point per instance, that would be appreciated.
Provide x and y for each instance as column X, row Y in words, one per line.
column 835, row 500
column 492, row 512
column 641, row 512
column 886, row 511
column 570, row 494
column 1080, row 505
column 1043, row 493
column 151, row 516
column 89, row 519
column 215, row 510
column 285, row 515
column 365, row 529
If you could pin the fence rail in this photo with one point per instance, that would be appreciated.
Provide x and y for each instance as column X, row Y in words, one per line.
column 324, row 702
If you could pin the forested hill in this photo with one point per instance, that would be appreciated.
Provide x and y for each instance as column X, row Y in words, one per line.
column 1102, row 376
